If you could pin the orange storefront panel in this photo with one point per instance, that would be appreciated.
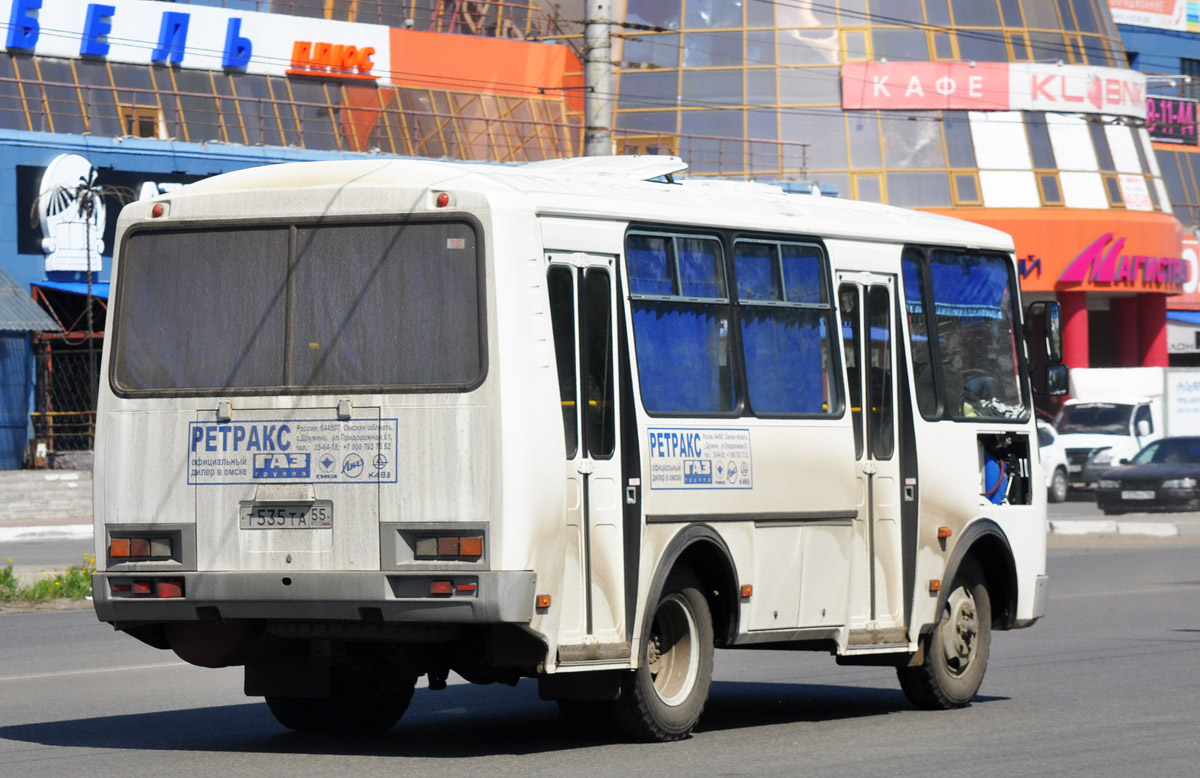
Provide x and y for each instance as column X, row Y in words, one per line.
column 468, row 63
column 1092, row 251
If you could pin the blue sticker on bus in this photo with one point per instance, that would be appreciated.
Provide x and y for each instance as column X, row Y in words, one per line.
column 696, row 458
column 361, row 451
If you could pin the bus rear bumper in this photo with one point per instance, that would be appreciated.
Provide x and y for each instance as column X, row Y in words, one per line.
column 475, row 598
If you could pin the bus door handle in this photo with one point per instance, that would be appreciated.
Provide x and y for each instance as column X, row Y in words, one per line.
column 586, row 466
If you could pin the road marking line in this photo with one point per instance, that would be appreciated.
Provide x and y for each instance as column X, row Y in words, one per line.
column 97, row 670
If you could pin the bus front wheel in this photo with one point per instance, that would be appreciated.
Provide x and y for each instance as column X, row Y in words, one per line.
column 956, row 651
column 662, row 700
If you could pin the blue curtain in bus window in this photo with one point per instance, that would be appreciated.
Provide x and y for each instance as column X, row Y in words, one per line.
column 757, row 272
column 802, row 274
column 682, row 355
column 783, row 359
column 649, row 269
column 700, row 268
column 966, row 286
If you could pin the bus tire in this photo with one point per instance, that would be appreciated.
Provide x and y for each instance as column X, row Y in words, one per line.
column 355, row 705
column 663, row 698
column 956, row 650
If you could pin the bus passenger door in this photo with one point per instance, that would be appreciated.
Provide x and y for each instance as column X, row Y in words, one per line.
column 583, row 307
column 867, row 302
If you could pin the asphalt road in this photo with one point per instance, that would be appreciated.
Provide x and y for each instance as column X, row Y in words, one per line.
column 1105, row 686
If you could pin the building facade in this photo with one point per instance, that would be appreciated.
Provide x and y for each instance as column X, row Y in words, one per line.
column 1019, row 114
column 1162, row 39
column 103, row 102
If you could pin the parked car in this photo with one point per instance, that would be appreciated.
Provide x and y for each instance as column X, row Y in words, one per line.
column 1163, row 476
column 1054, row 462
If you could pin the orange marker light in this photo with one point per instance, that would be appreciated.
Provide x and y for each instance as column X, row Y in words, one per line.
column 944, row 532
column 935, row 586
column 543, row 601
column 470, row 546
column 747, row 591
column 118, row 548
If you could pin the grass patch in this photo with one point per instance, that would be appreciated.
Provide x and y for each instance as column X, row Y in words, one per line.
column 74, row 584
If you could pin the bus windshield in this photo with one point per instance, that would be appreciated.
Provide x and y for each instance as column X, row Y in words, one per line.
column 352, row 306
column 971, row 335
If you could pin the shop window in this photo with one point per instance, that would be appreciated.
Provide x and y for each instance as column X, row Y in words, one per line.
column 142, row 121
column 1085, row 17
column 1040, row 146
column 12, row 110
column 1018, row 44
column 1112, row 188
column 943, row 46
column 920, row 189
column 31, row 92
column 1075, row 49
column 198, row 107
column 713, row 49
column 900, row 45
column 227, row 108
column 855, row 45
column 1012, row 13
column 867, row 187
column 62, row 97
column 966, row 189
column 906, row 12
column 937, row 13
column 1100, row 141
column 864, row 139
column 98, row 98
column 1041, row 15
column 982, row 46
column 975, row 13
column 1191, row 85
column 960, row 149
column 1094, row 50
column 1049, row 189
column 1046, row 45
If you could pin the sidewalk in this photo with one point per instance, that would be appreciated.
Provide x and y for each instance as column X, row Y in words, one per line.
column 45, row 504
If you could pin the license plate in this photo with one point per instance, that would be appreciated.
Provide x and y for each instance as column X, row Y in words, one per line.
column 1137, row 495
column 1075, row 468
column 317, row 515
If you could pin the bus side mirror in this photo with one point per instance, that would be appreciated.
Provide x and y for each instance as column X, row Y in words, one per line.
column 1051, row 380
column 1043, row 332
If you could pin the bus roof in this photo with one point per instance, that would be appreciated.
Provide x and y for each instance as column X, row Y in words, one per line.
column 629, row 188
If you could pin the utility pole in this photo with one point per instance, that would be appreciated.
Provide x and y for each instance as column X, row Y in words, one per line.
column 598, row 79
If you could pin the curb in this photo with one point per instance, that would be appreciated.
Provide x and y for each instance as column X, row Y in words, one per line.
column 53, row 532
column 1076, row 528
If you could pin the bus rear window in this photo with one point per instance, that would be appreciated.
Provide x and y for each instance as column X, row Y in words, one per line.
column 299, row 307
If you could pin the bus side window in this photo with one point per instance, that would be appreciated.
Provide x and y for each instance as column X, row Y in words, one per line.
column 879, row 388
column 851, row 346
column 561, row 285
column 600, row 412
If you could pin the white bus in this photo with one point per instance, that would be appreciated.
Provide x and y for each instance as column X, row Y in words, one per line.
column 576, row 421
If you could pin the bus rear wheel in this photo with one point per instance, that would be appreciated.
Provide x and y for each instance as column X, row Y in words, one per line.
column 355, row 704
column 662, row 700
column 956, row 651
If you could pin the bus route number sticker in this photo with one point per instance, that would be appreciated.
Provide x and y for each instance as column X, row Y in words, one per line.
column 308, row 450
column 683, row 458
